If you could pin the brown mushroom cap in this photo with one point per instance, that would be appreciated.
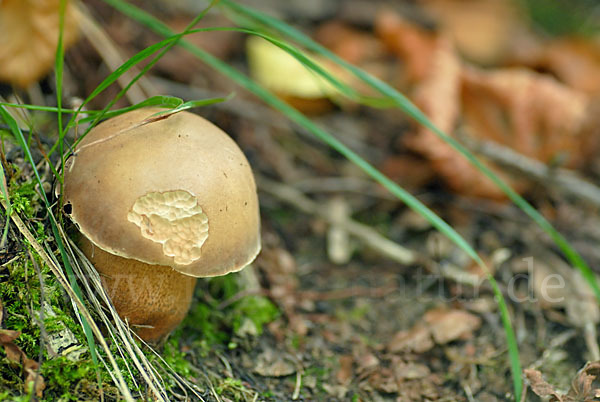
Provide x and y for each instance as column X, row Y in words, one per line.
column 175, row 191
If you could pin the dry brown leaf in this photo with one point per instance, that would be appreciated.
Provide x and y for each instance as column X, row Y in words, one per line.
column 345, row 373
column 417, row 339
column 16, row 355
column 383, row 380
column 581, row 387
column 349, row 43
column 410, row 370
column 539, row 386
column 412, row 44
column 574, row 61
column 441, row 325
column 280, row 269
column 29, row 38
column 367, row 362
column 410, row 171
column 447, row 325
column 527, row 111
column 438, row 95
column 271, row 363
column 482, row 30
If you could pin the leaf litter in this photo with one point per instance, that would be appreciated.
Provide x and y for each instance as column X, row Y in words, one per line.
column 373, row 329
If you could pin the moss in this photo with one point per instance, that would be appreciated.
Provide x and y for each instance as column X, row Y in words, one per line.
column 215, row 326
column 233, row 389
column 21, row 295
column 69, row 381
column 258, row 309
column 71, row 374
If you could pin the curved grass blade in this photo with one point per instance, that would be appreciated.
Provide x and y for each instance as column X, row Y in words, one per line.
column 409, row 108
column 4, row 191
column 18, row 134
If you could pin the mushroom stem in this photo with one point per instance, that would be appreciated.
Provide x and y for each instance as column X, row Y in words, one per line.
column 153, row 299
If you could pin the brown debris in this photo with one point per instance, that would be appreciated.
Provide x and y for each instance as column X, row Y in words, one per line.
column 413, row 45
column 439, row 326
column 532, row 113
column 280, row 267
column 581, row 387
column 345, row 373
column 447, row 325
column 483, row 30
column 16, row 355
column 417, row 339
column 29, row 38
column 574, row 61
column 271, row 363
column 349, row 43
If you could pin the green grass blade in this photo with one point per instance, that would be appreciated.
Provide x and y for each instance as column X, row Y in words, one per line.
column 4, row 194
column 58, row 72
column 18, row 134
column 146, row 68
column 36, row 107
column 414, row 112
column 303, row 121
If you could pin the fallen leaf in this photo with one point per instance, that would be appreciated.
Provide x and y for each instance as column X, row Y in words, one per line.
column 344, row 374
column 539, row 386
column 16, row 355
column 271, row 363
column 367, row 362
column 280, row 269
column 414, row 45
column 574, row 61
column 532, row 113
column 581, row 387
column 350, row 44
column 383, row 380
column 411, row 370
column 447, row 325
column 438, row 95
column 273, row 67
column 417, row 339
column 29, row 38
column 482, row 30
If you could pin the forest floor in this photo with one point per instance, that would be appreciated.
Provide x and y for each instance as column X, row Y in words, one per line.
column 332, row 309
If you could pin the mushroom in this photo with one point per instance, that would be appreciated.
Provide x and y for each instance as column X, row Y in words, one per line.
column 160, row 201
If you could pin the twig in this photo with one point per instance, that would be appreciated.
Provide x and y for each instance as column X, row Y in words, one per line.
column 369, row 236
column 112, row 56
column 563, row 179
column 298, row 385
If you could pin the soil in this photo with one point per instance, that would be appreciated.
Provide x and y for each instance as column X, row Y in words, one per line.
column 355, row 324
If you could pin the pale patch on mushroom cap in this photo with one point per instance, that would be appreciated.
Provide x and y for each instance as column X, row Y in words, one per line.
column 175, row 191
column 175, row 220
